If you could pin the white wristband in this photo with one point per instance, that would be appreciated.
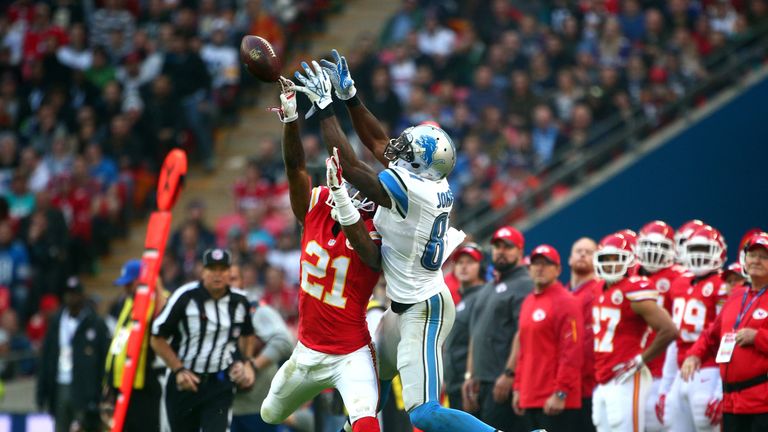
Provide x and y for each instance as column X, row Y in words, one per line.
column 346, row 213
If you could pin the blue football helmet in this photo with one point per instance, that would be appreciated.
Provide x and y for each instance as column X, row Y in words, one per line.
column 425, row 150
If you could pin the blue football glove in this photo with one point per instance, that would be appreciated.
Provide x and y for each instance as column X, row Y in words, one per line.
column 317, row 86
column 342, row 81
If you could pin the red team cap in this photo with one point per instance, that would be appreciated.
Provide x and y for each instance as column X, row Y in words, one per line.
column 733, row 268
column 510, row 235
column 471, row 249
column 547, row 252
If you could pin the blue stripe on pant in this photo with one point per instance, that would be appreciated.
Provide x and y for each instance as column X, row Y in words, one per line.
column 433, row 325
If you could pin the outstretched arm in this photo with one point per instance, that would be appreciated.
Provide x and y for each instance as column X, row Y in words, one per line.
column 299, row 184
column 317, row 86
column 368, row 128
column 349, row 217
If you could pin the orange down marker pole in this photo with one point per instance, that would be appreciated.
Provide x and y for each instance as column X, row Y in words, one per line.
column 168, row 187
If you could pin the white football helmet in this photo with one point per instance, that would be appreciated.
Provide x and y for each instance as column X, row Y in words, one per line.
column 424, row 150
column 705, row 251
column 614, row 256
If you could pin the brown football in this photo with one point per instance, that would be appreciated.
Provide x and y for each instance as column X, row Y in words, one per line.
column 260, row 58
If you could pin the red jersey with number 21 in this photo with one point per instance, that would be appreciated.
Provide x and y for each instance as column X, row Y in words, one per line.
column 620, row 333
column 336, row 284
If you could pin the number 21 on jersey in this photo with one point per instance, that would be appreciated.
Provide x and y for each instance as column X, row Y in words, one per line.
column 340, row 264
column 608, row 318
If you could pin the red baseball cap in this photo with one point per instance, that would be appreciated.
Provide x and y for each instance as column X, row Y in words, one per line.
column 510, row 235
column 757, row 240
column 733, row 268
column 471, row 249
column 547, row 252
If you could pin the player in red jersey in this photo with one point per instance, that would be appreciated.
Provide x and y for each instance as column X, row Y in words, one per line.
column 621, row 316
column 696, row 297
column 337, row 281
column 656, row 257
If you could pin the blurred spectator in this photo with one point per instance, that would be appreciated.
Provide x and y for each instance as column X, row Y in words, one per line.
column 21, row 201
column 406, row 20
column 113, row 27
column 17, row 343
column 281, row 295
column 192, row 85
column 546, row 138
column 287, row 256
column 75, row 54
column 382, row 101
column 223, row 62
column 74, row 351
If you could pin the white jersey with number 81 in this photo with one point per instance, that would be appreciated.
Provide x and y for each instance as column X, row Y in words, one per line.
column 416, row 238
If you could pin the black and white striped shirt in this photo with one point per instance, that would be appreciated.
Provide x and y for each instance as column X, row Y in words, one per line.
column 202, row 331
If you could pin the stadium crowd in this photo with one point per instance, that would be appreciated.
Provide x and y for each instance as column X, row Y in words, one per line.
column 93, row 94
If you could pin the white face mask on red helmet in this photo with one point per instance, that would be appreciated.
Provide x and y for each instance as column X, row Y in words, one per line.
column 705, row 251
column 613, row 270
column 656, row 246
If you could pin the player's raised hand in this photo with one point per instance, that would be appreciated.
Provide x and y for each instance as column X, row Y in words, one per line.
column 316, row 85
column 625, row 371
column 342, row 81
column 333, row 170
column 287, row 109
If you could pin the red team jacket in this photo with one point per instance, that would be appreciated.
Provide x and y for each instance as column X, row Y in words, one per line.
column 551, row 350
column 695, row 303
column 662, row 280
column 335, row 283
column 586, row 294
column 620, row 333
column 747, row 362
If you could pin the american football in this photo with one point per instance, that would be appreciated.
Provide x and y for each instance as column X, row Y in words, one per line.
column 260, row 58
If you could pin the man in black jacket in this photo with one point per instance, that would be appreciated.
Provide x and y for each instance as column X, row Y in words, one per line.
column 491, row 361
column 72, row 363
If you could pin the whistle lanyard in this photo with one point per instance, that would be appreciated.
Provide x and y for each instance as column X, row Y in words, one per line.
column 743, row 310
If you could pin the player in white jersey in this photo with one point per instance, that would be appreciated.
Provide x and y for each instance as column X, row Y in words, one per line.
column 415, row 202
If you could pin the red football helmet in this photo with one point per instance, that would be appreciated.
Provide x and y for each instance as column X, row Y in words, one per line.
column 683, row 234
column 656, row 246
column 608, row 268
column 705, row 251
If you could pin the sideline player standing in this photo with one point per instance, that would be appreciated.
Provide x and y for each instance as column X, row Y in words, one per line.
column 414, row 201
column 656, row 255
column 334, row 348
column 697, row 297
column 622, row 314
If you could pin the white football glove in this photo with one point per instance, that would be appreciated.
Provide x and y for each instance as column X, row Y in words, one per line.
column 343, row 84
column 344, row 210
column 287, row 109
column 317, row 86
column 333, row 170
column 625, row 371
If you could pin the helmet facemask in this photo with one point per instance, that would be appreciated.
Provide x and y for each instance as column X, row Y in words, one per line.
column 703, row 256
column 655, row 252
column 612, row 264
column 361, row 203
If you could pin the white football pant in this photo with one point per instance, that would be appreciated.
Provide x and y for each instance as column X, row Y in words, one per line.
column 620, row 407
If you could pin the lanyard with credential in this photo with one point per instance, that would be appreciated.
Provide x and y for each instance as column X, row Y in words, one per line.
column 743, row 311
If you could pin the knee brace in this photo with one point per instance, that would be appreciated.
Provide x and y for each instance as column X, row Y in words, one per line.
column 423, row 415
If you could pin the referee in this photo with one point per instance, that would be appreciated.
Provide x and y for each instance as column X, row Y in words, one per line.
column 209, row 327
